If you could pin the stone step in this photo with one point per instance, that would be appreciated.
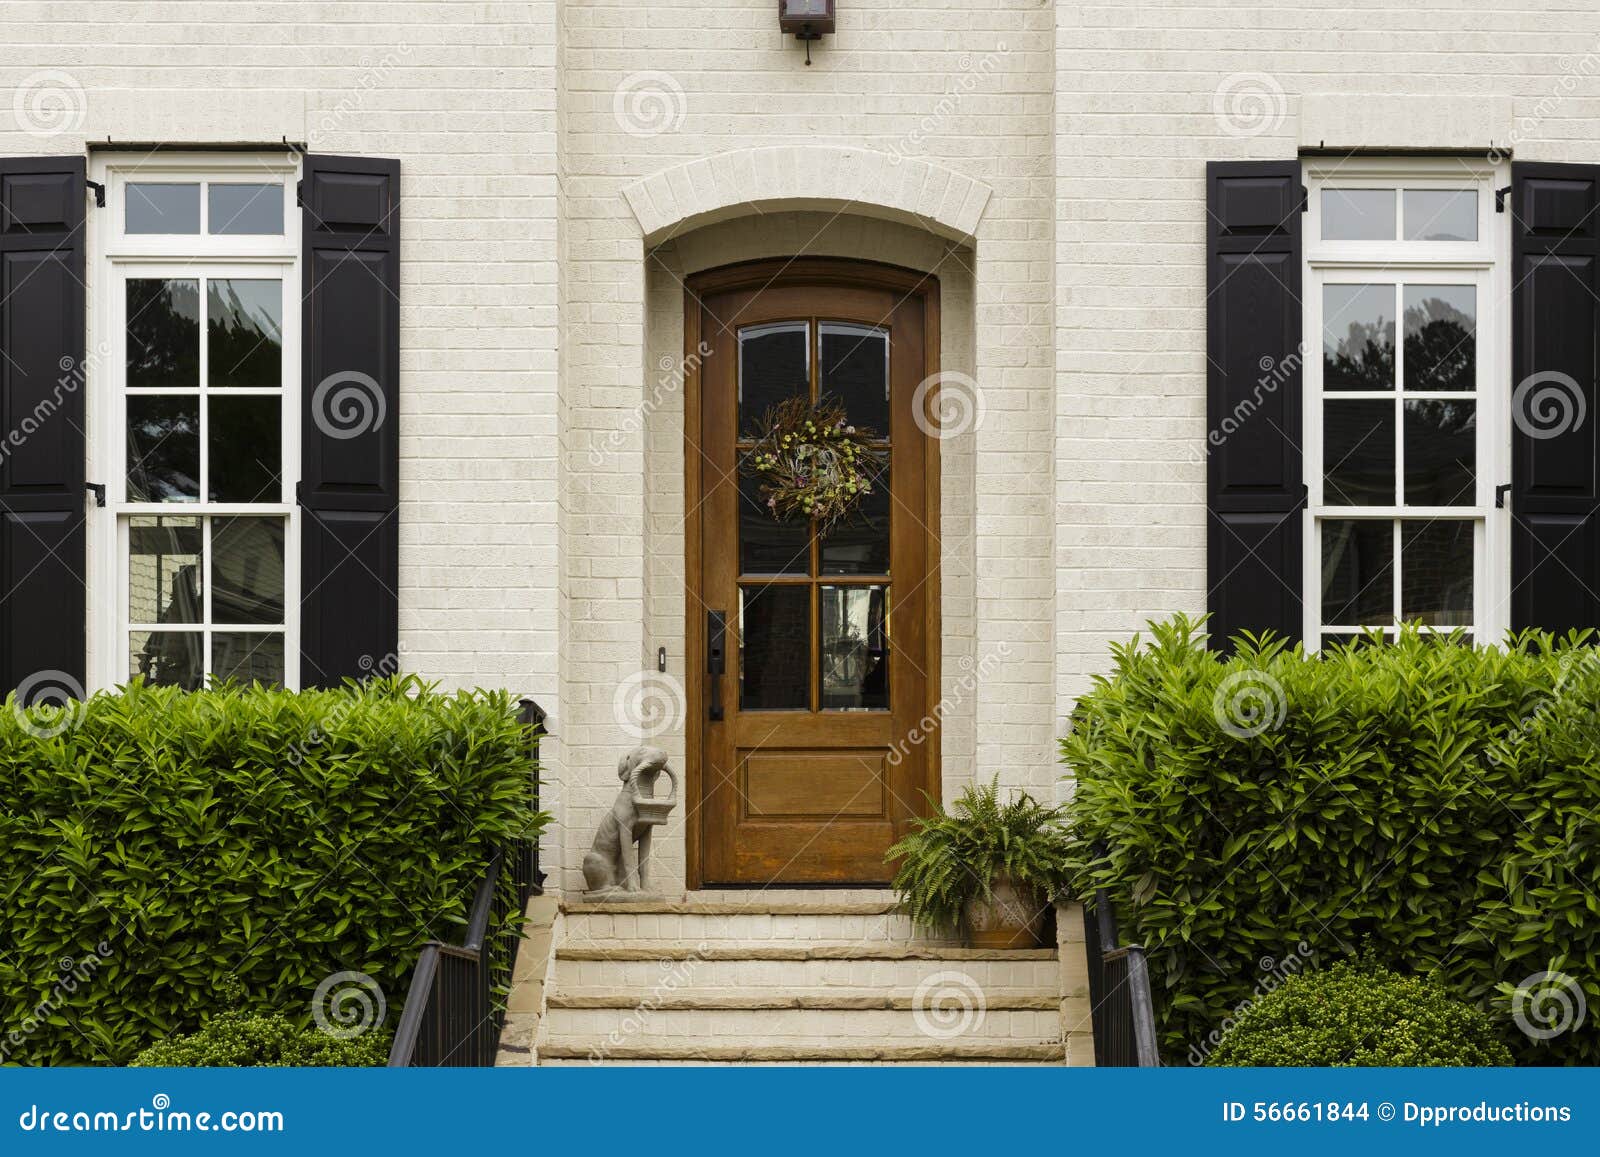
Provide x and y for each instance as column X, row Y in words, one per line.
column 727, row 924
column 787, row 902
column 713, row 1051
column 860, row 999
column 812, row 950
column 644, row 1023
column 651, row 973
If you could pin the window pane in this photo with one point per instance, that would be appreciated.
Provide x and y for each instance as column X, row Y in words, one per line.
column 162, row 208
column 247, row 656
column 855, row 648
column 774, row 647
column 1358, row 453
column 1441, row 452
column 163, row 333
column 1358, row 214
column 170, row 658
column 247, row 570
column 1357, row 572
column 773, row 365
column 855, row 369
column 860, row 544
column 1358, row 337
column 1441, row 214
column 244, row 208
column 767, row 545
column 245, row 442
column 165, row 570
column 163, row 448
column 244, row 332
column 1436, row 571
column 1441, row 337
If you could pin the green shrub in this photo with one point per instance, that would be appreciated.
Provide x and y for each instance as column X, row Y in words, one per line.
column 237, row 1038
column 165, row 841
column 1428, row 799
column 1360, row 1015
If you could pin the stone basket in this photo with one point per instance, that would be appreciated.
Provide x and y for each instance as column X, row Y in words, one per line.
column 651, row 810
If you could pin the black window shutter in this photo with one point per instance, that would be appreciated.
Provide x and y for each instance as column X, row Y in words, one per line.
column 1254, row 490
column 1555, row 537
column 349, row 493
column 42, row 496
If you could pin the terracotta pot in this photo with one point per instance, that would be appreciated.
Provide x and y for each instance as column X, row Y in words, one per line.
column 1016, row 917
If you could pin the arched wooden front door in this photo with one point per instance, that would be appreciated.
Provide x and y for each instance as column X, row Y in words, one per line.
column 808, row 757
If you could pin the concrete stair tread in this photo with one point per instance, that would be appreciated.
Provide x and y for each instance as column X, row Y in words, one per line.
column 753, row 906
column 719, row 1050
column 812, row 950
column 841, row 998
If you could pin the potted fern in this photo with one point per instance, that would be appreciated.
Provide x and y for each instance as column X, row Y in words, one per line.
column 987, row 869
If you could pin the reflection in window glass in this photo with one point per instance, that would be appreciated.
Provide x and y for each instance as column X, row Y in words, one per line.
column 1357, row 572
column 244, row 332
column 855, row 648
column 859, row 545
column 244, row 440
column 774, row 365
column 1358, row 453
column 165, row 570
column 1441, row 214
column 774, row 647
column 1441, row 337
column 1358, row 337
column 1358, row 215
column 163, row 448
column 768, row 545
column 158, row 207
column 247, row 656
column 163, row 328
column 1441, row 452
column 168, row 658
column 241, row 209
column 247, row 570
column 1436, row 571
column 854, row 368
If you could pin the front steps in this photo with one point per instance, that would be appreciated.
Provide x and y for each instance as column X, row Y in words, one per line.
column 799, row 977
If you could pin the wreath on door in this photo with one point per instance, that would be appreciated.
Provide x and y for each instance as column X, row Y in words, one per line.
column 812, row 463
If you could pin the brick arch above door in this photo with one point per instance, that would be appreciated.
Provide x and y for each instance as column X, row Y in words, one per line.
column 866, row 181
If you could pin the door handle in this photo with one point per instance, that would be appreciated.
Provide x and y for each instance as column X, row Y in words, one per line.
column 716, row 659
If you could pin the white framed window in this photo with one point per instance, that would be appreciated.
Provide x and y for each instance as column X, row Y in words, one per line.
column 1407, row 431
column 194, row 419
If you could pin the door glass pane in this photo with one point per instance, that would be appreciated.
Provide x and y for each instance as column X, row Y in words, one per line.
column 163, row 448
column 1358, row 453
column 774, row 647
column 1357, row 572
column 245, row 448
column 860, row 544
column 247, row 656
column 165, row 571
column 1436, row 571
column 163, row 333
column 160, row 207
column 855, row 648
column 1441, row 452
column 1441, row 214
column 170, row 658
column 766, row 545
column 244, row 332
column 247, row 570
column 774, row 364
column 854, row 368
column 1358, row 214
column 1441, row 337
column 244, row 208
column 1358, row 337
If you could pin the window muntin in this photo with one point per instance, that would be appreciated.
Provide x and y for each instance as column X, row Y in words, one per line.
column 1403, row 439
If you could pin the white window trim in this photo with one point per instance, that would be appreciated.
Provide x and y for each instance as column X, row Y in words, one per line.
column 1485, row 263
column 113, row 257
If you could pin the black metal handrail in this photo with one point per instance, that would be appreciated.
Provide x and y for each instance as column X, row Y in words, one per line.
column 454, row 1009
column 1122, row 1008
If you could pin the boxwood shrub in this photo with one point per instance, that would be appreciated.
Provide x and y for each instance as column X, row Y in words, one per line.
column 159, row 843
column 266, row 1039
column 1429, row 800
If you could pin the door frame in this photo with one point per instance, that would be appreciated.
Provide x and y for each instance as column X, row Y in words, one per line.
column 762, row 274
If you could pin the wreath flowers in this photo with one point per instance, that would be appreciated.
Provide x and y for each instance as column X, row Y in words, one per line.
column 812, row 463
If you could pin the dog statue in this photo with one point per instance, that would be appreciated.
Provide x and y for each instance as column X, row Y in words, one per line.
column 614, row 864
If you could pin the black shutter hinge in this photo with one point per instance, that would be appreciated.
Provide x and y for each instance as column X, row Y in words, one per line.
column 1500, row 493
column 99, row 193
column 1500, row 199
column 1305, row 199
column 299, row 493
column 98, row 489
column 299, row 194
column 1305, row 498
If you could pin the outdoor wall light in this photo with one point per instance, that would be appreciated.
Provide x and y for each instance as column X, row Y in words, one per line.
column 808, row 19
